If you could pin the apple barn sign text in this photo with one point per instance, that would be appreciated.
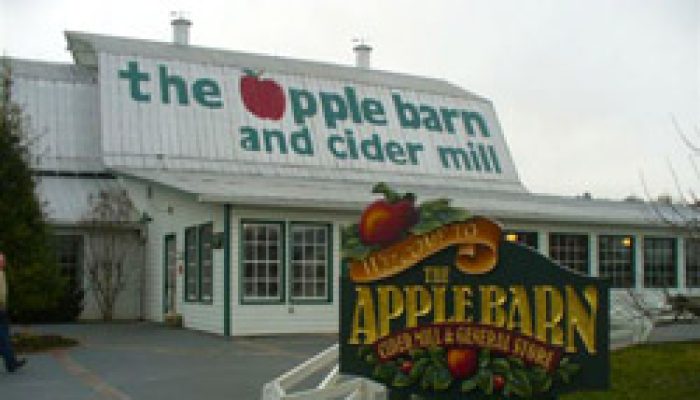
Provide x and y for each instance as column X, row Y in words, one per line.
column 302, row 120
column 433, row 303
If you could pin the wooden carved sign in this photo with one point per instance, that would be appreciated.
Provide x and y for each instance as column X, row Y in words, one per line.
column 433, row 303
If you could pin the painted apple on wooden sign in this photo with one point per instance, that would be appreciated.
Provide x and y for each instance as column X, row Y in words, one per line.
column 263, row 98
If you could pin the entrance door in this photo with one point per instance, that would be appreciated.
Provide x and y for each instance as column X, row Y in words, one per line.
column 169, row 274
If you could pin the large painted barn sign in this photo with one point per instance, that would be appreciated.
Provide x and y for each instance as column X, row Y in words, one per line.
column 433, row 303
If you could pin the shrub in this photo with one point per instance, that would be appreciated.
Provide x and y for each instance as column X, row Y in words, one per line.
column 28, row 343
column 37, row 291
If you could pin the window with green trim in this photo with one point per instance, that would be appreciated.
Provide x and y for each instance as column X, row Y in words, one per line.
column 692, row 263
column 570, row 250
column 191, row 265
column 309, row 261
column 616, row 259
column 660, row 262
column 206, row 261
column 262, row 261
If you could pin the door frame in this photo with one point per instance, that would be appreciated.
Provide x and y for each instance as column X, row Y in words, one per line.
column 166, row 239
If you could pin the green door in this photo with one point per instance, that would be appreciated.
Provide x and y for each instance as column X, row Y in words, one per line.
column 169, row 274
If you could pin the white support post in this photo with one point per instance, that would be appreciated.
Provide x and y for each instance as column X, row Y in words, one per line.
column 543, row 242
column 594, row 268
column 639, row 261
column 680, row 264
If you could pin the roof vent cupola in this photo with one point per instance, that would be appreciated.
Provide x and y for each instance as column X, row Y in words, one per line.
column 362, row 53
column 181, row 29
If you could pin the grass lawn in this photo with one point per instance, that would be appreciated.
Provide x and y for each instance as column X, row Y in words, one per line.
column 666, row 371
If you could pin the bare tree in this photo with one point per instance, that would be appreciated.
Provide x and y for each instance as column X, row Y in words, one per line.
column 682, row 215
column 111, row 239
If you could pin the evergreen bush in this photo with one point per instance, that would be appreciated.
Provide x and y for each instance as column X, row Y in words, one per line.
column 37, row 290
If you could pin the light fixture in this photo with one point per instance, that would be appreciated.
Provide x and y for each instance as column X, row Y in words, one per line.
column 145, row 218
column 512, row 237
column 627, row 241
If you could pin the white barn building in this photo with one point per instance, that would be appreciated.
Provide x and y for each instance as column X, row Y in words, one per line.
column 244, row 182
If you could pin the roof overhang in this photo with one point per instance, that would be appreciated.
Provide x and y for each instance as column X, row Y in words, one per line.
column 257, row 191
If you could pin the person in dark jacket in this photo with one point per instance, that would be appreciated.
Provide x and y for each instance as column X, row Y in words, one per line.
column 11, row 362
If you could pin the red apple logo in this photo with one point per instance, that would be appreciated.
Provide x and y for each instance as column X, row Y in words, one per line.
column 386, row 220
column 264, row 98
column 462, row 363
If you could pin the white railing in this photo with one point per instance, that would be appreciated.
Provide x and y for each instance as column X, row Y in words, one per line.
column 627, row 326
column 628, row 323
column 333, row 386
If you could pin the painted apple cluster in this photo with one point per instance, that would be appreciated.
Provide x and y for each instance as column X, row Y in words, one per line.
column 467, row 370
column 263, row 98
column 393, row 217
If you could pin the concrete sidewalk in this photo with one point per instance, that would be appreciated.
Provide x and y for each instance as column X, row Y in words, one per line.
column 676, row 332
column 149, row 361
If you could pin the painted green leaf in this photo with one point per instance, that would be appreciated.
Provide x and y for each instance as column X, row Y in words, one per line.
column 441, row 379
column 541, row 381
column 425, row 226
column 459, row 214
column 362, row 351
column 419, row 368
column 390, row 195
column 433, row 205
column 546, row 385
column 564, row 376
column 469, row 385
column 357, row 252
column 573, row 369
column 507, row 389
column 371, row 359
column 515, row 362
column 437, row 352
column 520, row 383
column 486, row 382
column 401, row 380
column 417, row 353
column 500, row 365
column 484, row 358
column 385, row 372
column 452, row 215
column 428, row 377
column 424, row 215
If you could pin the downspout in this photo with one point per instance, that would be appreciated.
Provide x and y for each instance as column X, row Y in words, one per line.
column 227, row 270
column 143, row 241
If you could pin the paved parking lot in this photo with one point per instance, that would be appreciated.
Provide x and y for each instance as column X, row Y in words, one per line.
column 148, row 361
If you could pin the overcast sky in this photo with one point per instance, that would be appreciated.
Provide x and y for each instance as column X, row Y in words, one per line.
column 585, row 89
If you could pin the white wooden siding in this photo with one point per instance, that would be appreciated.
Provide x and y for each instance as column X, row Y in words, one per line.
column 186, row 212
column 284, row 317
column 63, row 129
